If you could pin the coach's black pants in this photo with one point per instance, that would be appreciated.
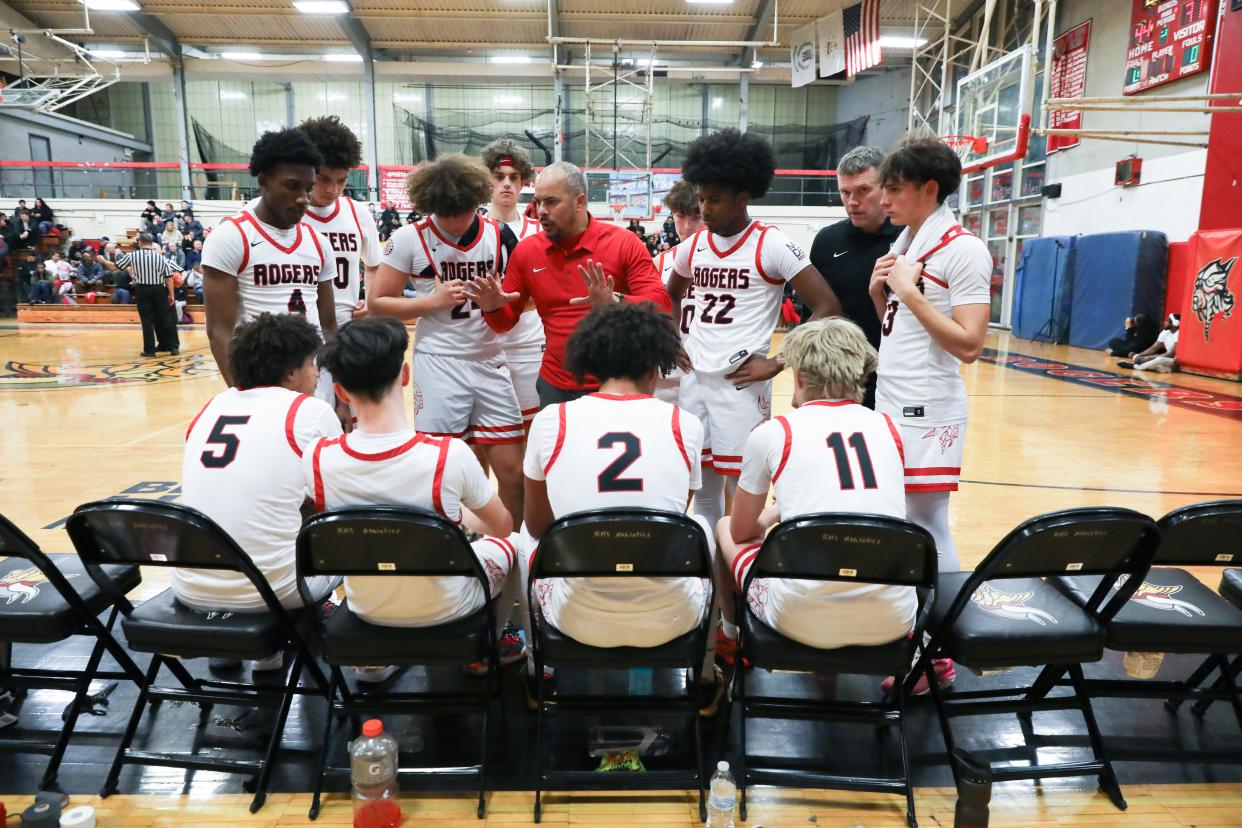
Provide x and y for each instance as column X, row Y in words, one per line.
column 551, row 395
column 156, row 315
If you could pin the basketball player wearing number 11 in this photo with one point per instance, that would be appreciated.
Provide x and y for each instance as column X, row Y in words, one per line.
column 268, row 259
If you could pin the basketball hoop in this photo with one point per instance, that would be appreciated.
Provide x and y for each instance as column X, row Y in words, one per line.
column 966, row 146
column 617, row 207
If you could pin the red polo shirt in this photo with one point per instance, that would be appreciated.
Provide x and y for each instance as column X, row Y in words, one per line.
column 547, row 272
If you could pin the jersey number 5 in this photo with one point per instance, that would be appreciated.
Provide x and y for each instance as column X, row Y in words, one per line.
column 228, row 443
column 610, row 479
column 846, row 476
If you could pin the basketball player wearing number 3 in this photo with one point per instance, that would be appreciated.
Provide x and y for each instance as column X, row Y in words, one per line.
column 268, row 260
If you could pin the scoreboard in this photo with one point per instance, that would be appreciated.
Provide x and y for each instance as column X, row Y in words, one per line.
column 1169, row 39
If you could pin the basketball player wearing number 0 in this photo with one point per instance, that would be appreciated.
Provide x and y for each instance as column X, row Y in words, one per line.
column 738, row 268
column 267, row 259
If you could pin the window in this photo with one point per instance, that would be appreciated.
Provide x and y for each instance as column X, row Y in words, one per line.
column 41, row 150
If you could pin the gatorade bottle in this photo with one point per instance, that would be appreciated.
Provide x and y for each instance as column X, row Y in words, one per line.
column 373, row 771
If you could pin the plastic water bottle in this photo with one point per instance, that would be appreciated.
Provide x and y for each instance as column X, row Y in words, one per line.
column 373, row 771
column 722, row 798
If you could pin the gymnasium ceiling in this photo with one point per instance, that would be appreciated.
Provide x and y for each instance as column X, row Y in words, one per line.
column 404, row 30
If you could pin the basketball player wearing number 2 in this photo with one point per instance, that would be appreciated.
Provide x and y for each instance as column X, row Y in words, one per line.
column 933, row 295
column 268, row 260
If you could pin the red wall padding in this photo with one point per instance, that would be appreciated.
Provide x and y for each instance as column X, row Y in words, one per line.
column 1175, row 280
column 1210, row 341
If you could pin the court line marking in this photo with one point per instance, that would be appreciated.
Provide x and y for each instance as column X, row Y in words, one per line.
column 1206, row 402
column 1099, row 489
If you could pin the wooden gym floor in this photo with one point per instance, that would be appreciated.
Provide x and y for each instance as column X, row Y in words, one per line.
column 1051, row 427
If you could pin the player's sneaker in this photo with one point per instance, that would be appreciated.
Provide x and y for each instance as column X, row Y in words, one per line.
column 532, row 692
column 711, row 692
column 726, row 649
column 510, row 648
column 945, row 674
column 374, row 675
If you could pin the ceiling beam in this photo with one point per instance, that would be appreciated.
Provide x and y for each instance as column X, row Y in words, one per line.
column 359, row 37
column 764, row 18
column 162, row 37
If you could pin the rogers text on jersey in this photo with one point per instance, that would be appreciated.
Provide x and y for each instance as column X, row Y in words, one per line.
column 729, row 278
column 268, row 275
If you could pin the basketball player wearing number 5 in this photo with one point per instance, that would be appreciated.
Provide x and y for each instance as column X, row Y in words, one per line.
column 268, row 259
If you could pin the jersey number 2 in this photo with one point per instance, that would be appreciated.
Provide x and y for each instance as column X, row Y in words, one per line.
column 859, row 443
column 228, row 443
column 610, row 479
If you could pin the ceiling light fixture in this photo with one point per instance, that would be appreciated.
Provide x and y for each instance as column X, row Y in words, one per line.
column 508, row 99
column 321, row 6
column 709, row 2
column 510, row 59
column 343, row 57
column 111, row 5
column 232, row 95
column 756, row 64
column 241, row 56
column 107, row 53
column 901, row 42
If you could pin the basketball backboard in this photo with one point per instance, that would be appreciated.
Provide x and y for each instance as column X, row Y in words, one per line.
column 994, row 104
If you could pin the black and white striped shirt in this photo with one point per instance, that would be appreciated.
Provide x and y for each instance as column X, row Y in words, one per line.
column 148, row 266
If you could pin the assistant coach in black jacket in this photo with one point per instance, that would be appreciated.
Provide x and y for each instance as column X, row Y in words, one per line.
column 846, row 252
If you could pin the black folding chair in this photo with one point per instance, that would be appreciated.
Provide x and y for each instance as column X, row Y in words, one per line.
column 848, row 548
column 48, row 598
column 1004, row 614
column 620, row 543
column 155, row 533
column 1172, row 612
column 408, row 543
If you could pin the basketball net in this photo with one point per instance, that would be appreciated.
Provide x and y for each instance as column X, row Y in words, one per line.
column 966, row 146
column 617, row 208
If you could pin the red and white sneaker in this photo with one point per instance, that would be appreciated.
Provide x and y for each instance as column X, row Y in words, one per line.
column 726, row 648
column 511, row 648
column 945, row 674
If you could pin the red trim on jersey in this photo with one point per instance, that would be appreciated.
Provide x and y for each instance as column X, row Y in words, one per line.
column 745, row 557
column 956, row 231
column 323, row 260
column 728, row 458
column 934, row 279
column 194, row 422
column 499, row 246
column 780, row 467
column 726, row 472
column 336, row 208
column 530, row 411
column 418, row 231
column 320, row 503
column 560, row 439
column 833, row 403
column 933, row 471
column 506, row 547
column 382, row 455
column 286, row 250
column 357, row 223
column 457, row 434
column 694, row 241
column 245, row 243
column 514, row 427
column 499, row 441
column 738, row 244
column 901, row 448
column 931, row 487
column 478, row 238
column 759, row 259
column 603, row 395
column 438, row 480
column 289, row 420
column 681, row 444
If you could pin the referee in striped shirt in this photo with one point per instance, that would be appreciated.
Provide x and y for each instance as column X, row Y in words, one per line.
column 152, row 275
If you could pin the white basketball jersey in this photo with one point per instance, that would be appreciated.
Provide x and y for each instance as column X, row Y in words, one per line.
column 738, row 293
column 355, row 245
column 919, row 382
column 437, row 474
column 459, row 331
column 276, row 277
column 242, row 467
column 828, row 456
column 526, row 338
column 664, row 261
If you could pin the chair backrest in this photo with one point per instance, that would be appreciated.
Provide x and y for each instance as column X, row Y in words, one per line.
column 14, row 543
column 1202, row 534
column 1084, row 541
column 384, row 540
column 606, row 543
column 858, row 548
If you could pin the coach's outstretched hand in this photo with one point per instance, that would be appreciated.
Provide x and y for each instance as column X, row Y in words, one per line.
column 599, row 286
column 487, row 293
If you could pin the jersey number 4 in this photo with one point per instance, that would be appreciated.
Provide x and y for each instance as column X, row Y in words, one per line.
column 296, row 303
column 227, row 443
column 610, row 479
column 857, row 442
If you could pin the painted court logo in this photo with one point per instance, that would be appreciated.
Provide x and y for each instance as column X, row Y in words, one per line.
column 1212, row 296
column 22, row 585
column 23, row 376
column 1011, row 605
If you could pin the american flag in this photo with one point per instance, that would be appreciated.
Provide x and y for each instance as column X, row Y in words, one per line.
column 862, row 36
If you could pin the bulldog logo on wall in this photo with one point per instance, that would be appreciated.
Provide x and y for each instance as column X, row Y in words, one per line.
column 1212, row 296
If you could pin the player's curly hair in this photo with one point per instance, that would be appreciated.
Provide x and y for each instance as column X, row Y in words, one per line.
column 450, row 186
column 743, row 162
column 623, row 341
column 505, row 147
column 682, row 199
column 340, row 148
column 919, row 160
column 366, row 356
column 831, row 357
column 264, row 351
column 284, row 146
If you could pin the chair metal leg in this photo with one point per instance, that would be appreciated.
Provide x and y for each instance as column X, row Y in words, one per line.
column 278, row 730
column 324, row 746
column 71, row 715
column 942, row 714
column 1044, row 682
column 740, row 679
column 140, row 705
column 1227, row 675
column 904, row 748
column 695, row 691
column 1235, row 668
column 492, row 680
column 1108, row 777
column 1193, row 680
column 539, row 751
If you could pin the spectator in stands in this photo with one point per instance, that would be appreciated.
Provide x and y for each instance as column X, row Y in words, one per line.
column 59, row 266
column 42, row 216
column 75, row 250
column 21, row 208
column 194, row 279
column 170, row 233
column 25, row 233
column 41, row 292
column 1140, row 334
column 390, row 220
column 174, row 253
column 186, row 211
column 413, row 217
column 90, row 271
column 150, row 215
column 191, row 225
column 167, row 214
column 26, row 272
column 8, row 236
column 194, row 256
column 1162, row 355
